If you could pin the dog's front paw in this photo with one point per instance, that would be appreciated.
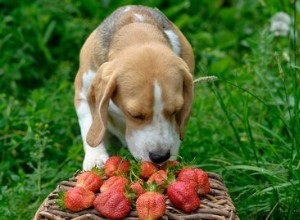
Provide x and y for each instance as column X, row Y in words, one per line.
column 95, row 159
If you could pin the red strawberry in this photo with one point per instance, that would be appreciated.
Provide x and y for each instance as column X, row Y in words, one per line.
column 205, row 190
column 197, row 178
column 112, row 204
column 114, row 182
column 150, row 206
column 160, row 177
column 124, row 167
column 89, row 180
column 76, row 199
column 137, row 188
column 169, row 164
column 183, row 196
column 115, row 165
column 147, row 169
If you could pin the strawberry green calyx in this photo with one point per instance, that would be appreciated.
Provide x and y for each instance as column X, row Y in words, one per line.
column 137, row 188
column 61, row 198
column 130, row 193
column 153, row 187
column 98, row 171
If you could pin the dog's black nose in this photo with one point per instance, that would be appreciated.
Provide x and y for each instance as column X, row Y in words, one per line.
column 158, row 157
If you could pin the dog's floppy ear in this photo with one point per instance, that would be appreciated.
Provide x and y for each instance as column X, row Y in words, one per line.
column 100, row 93
column 188, row 94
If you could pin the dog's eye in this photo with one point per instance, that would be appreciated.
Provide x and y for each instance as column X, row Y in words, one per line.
column 140, row 117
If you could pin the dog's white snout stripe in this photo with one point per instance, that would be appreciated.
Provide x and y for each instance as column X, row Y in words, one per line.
column 158, row 104
column 158, row 136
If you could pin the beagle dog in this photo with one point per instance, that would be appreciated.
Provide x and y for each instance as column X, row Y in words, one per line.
column 135, row 81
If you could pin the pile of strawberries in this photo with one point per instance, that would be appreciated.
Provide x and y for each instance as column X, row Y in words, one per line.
column 122, row 185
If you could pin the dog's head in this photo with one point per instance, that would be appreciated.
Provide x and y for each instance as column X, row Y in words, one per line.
column 153, row 88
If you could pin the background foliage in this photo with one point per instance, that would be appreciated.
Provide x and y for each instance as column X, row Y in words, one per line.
column 244, row 127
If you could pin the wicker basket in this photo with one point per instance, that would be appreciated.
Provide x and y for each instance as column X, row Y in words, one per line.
column 216, row 205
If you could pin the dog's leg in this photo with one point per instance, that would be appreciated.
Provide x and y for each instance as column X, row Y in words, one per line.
column 94, row 156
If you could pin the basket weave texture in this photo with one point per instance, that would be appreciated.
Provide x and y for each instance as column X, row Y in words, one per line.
column 215, row 205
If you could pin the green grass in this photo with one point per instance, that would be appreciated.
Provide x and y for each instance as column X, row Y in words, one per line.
column 244, row 127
